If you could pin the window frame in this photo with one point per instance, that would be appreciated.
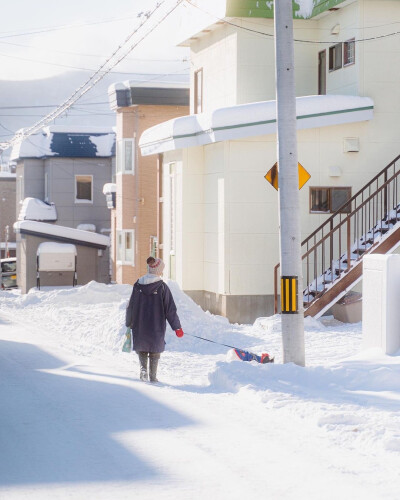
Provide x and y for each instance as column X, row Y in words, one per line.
column 121, row 156
column 198, row 91
column 79, row 200
column 330, row 189
column 322, row 72
column 121, row 247
column 352, row 59
column 334, row 51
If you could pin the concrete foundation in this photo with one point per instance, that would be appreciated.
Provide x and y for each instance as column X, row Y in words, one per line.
column 243, row 309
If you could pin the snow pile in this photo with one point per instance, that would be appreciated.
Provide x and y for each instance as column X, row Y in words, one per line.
column 35, row 209
column 337, row 417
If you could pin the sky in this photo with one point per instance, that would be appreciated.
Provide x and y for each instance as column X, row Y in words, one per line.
column 48, row 39
column 49, row 49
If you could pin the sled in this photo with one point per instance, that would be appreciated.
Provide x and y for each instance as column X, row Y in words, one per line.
column 250, row 356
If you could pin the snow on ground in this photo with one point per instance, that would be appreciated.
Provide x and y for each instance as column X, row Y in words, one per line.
column 77, row 422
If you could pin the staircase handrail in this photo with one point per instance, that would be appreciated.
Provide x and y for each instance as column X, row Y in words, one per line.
column 348, row 202
column 346, row 219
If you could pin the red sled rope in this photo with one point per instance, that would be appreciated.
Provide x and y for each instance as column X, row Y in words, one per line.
column 240, row 353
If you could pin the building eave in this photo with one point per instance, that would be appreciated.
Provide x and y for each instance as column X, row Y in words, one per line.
column 233, row 122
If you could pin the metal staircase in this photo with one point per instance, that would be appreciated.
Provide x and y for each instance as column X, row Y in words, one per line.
column 332, row 255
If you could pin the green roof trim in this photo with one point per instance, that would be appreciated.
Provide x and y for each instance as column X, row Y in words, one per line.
column 265, row 9
column 266, row 122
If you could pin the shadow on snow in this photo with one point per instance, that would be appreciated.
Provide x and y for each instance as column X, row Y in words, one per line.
column 58, row 429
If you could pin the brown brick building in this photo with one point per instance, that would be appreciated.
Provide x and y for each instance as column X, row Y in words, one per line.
column 135, row 197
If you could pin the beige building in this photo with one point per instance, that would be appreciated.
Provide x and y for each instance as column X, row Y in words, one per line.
column 221, row 217
column 135, row 197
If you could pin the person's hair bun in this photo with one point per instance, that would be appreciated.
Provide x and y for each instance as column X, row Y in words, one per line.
column 150, row 261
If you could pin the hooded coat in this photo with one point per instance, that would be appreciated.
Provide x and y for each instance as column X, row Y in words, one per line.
column 149, row 309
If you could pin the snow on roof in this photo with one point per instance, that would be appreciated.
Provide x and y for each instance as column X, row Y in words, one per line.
column 87, row 227
column 78, row 129
column 62, row 232
column 50, row 247
column 127, row 84
column 7, row 175
column 305, row 8
column 248, row 120
column 35, row 209
column 67, row 141
column 109, row 188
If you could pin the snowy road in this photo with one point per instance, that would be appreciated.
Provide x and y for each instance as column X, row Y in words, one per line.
column 82, row 426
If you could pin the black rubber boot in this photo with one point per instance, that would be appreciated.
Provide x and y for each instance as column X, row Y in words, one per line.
column 154, row 357
column 143, row 357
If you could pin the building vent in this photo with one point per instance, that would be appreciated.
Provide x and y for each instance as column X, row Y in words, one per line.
column 351, row 144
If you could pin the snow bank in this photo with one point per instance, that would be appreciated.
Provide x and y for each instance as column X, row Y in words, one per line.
column 352, row 396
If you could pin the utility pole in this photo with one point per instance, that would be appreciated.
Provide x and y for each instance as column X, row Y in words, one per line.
column 289, row 200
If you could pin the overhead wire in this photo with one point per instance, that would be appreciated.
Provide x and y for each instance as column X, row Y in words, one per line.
column 46, row 29
column 102, row 71
column 65, row 65
column 244, row 28
column 80, row 54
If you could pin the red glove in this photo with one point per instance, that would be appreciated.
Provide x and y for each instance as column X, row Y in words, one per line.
column 179, row 332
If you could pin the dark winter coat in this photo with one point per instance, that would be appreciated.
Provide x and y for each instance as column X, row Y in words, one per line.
column 150, row 306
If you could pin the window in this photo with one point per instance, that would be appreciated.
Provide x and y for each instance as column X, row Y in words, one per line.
column 322, row 72
column 126, row 156
column 349, row 52
column 153, row 246
column 328, row 200
column 125, row 247
column 335, row 57
column 83, row 188
column 198, row 91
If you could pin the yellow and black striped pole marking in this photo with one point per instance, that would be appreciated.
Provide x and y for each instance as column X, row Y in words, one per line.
column 289, row 295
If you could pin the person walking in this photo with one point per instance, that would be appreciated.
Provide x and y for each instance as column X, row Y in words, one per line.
column 150, row 306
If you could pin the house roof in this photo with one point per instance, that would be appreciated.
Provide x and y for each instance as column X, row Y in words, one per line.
column 62, row 233
column 210, row 14
column 164, row 94
column 253, row 119
column 67, row 142
column 302, row 9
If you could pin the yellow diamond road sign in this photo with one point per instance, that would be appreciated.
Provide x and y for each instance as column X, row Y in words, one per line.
column 272, row 176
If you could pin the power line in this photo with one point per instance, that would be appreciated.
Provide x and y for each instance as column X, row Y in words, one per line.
column 47, row 29
column 95, row 78
column 48, row 105
column 66, row 65
column 269, row 35
column 47, row 49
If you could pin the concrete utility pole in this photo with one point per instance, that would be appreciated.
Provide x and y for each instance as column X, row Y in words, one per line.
column 289, row 202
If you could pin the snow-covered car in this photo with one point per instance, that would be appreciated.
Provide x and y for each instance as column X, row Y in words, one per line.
column 8, row 273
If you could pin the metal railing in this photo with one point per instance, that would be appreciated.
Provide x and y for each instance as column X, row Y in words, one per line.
column 349, row 233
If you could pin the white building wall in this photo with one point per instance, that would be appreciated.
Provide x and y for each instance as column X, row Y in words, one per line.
column 344, row 81
column 228, row 212
column 192, row 215
column 216, row 55
column 214, row 216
